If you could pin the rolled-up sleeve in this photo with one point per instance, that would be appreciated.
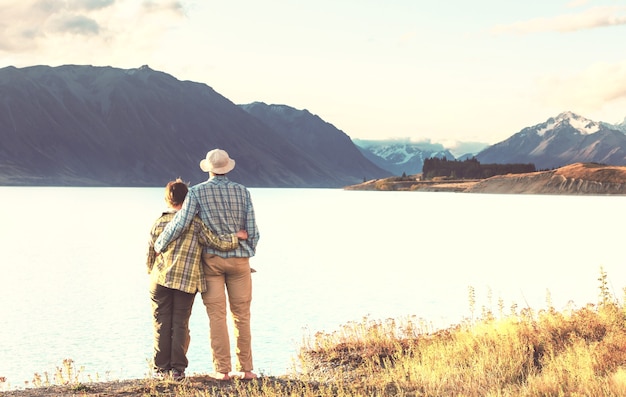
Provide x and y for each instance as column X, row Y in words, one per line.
column 151, row 256
column 251, row 226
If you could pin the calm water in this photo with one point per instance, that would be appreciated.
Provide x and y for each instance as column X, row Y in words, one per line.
column 74, row 283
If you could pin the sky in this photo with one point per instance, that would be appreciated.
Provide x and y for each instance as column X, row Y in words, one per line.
column 424, row 70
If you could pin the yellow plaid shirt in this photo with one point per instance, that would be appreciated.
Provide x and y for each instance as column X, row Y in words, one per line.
column 180, row 265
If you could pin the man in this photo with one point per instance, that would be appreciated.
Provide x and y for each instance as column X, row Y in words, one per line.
column 225, row 207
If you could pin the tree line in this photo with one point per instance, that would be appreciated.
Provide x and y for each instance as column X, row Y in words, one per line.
column 470, row 169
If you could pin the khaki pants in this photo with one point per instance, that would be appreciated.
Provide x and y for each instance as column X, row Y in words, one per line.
column 171, row 310
column 228, row 276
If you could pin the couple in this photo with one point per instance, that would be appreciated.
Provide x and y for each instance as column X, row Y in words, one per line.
column 203, row 244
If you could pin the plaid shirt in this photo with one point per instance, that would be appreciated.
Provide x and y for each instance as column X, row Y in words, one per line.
column 225, row 207
column 180, row 266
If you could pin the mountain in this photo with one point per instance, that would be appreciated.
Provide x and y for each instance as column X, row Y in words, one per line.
column 401, row 156
column 620, row 126
column 318, row 138
column 104, row 126
column 562, row 140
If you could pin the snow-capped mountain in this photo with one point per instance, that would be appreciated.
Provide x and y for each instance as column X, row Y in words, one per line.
column 565, row 139
column 401, row 156
column 621, row 126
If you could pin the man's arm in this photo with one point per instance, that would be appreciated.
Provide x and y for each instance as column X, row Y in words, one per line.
column 251, row 227
column 222, row 242
column 179, row 223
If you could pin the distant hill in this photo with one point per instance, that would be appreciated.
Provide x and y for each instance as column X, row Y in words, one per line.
column 573, row 179
column 578, row 178
column 559, row 141
column 104, row 126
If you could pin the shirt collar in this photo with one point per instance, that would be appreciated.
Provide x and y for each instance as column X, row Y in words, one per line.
column 218, row 178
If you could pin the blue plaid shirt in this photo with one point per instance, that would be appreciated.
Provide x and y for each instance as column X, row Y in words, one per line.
column 224, row 206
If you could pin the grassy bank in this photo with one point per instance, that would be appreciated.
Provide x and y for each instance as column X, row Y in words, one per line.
column 512, row 352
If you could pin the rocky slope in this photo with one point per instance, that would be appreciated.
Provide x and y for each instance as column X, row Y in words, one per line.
column 579, row 178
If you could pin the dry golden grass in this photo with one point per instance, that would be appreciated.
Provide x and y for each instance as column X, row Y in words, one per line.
column 594, row 172
column 532, row 353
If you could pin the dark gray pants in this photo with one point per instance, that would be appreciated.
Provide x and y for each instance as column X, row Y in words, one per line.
column 171, row 310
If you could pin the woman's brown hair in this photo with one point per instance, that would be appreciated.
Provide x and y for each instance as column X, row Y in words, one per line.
column 175, row 192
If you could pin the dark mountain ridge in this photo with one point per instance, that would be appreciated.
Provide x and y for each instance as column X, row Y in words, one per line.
column 314, row 135
column 104, row 126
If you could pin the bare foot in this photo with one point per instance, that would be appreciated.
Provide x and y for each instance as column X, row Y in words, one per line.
column 244, row 375
column 219, row 376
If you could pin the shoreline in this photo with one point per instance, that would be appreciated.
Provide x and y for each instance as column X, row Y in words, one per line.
column 388, row 184
column 574, row 179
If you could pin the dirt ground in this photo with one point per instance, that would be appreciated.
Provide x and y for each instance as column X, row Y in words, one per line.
column 152, row 387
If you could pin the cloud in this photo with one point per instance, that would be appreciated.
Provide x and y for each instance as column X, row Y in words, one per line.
column 591, row 18
column 407, row 37
column 601, row 85
column 456, row 147
column 74, row 24
column 175, row 6
column 459, row 148
column 577, row 3
column 45, row 29
column 90, row 4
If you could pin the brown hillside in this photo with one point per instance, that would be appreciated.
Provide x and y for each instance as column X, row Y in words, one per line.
column 594, row 172
column 578, row 178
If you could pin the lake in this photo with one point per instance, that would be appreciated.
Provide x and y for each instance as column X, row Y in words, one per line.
column 74, row 283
